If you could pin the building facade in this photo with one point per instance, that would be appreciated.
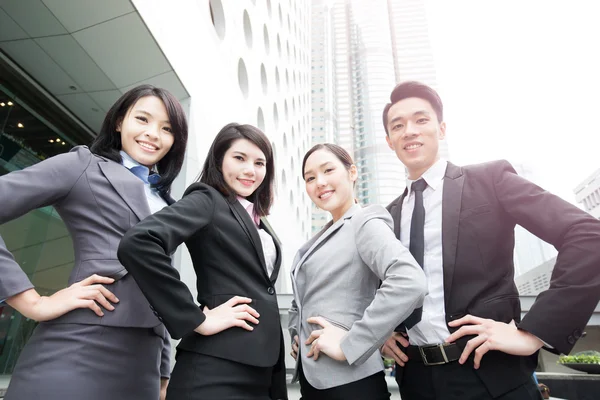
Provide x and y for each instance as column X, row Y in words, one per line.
column 587, row 193
column 63, row 64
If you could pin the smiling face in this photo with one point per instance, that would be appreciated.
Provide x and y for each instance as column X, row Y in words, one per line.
column 328, row 183
column 414, row 134
column 146, row 134
column 244, row 167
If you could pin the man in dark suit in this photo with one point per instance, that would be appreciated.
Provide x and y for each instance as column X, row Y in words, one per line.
column 469, row 341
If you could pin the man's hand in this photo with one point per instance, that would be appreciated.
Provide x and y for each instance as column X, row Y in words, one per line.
column 492, row 335
column 326, row 340
column 390, row 348
column 164, row 382
column 294, row 352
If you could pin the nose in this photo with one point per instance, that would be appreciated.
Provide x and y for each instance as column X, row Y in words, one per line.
column 321, row 181
column 411, row 129
column 153, row 132
column 248, row 170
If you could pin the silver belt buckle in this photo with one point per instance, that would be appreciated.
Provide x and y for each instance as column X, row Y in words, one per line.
column 424, row 357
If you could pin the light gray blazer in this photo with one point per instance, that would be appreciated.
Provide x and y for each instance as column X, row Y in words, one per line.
column 336, row 275
column 98, row 200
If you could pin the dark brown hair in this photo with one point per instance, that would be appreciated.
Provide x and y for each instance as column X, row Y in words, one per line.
column 419, row 90
column 336, row 150
column 212, row 172
column 108, row 142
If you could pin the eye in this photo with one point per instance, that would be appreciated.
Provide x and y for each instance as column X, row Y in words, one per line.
column 143, row 119
column 329, row 170
column 310, row 178
column 260, row 163
column 240, row 158
column 423, row 120
column 168, row 129
column 397, row 126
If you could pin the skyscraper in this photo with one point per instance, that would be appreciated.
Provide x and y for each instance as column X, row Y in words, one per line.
column 376, row 44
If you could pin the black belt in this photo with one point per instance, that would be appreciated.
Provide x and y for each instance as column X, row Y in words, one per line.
column 435, row 354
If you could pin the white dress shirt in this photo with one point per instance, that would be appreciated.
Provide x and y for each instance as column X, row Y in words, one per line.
column 266, row 240
column 432, row 329
column 155, row 201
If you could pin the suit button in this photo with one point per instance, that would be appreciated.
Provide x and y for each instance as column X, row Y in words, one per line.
column 571, row 339
column 270, row 290
column 576, row 333
column 160, row 319
column 152, row 308
column 155, row 313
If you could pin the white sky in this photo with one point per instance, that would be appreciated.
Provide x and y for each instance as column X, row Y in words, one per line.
column 520, row 80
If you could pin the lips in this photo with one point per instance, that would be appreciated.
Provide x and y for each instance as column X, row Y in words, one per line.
column 246, row 182
column 147, row 146
column 412, row 146
column 326, row 194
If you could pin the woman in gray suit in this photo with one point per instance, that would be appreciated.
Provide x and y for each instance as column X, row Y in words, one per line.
column 346, row 280
column 92, row 342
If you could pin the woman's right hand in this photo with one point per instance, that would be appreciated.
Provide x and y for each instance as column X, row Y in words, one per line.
column 88, row 293
column 294, row 352
column 234, row 312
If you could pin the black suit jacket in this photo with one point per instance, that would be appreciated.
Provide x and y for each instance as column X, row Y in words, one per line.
column 227, row 254
column 481, row 205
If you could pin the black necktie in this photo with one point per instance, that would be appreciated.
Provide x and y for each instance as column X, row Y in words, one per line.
column 417, row 245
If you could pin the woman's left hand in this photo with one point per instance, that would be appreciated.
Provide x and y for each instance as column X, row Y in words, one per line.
column 326, row 340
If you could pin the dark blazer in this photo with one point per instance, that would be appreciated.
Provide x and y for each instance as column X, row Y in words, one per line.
column 481, row 205
column 227, row 254
column 98, row 200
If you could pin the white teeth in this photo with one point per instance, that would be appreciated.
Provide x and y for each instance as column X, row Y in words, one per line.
column 413, row 146
column 147, row 146
column 326, row 195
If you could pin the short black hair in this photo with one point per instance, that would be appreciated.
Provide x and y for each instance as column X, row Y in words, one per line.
column 108, row 142
column 416, row 89
column 212, row 171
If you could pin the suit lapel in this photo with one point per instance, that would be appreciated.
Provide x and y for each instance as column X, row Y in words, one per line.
column 250, row 228
column 267, row 227
column 128, row 186
column 396, row 213
column 451, row 203
column 320, row 238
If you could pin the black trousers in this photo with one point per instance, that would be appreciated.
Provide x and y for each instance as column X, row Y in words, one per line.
column 454, row 381
column 372, row 387
column 201, row 377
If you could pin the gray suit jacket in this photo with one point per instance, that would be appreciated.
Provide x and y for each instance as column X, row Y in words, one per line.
column 336, row 275
column 98, row 200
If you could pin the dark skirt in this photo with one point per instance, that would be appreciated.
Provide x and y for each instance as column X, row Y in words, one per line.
column 372, row 387
column 202, row 377
column 91, row 362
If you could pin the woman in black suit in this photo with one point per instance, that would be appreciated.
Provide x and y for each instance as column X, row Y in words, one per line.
column 232, row 344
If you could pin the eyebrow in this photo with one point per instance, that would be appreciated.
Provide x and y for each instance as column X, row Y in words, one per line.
column 150, row 115
column 320, row 166
column 241, row 153
column 420, row 112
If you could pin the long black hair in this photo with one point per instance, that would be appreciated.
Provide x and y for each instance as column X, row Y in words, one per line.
column 108, row 142
column 212, row 172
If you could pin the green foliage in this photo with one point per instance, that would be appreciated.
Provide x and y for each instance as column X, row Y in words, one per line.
column 580, row 359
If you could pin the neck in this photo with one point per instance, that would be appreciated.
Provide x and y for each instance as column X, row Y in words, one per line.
column 416, row 173
column 340, row 211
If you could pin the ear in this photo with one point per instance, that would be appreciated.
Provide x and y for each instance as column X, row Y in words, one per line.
column 353, row 172
column 442, row 134
column 119, row 124
column 389, row 142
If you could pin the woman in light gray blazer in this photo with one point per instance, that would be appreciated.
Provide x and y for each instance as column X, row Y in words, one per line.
column 353, row 284
column 93, row 342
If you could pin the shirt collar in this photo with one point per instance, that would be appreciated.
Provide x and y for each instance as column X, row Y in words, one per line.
column 129, row 163
column 244, row 202
column 434, row 176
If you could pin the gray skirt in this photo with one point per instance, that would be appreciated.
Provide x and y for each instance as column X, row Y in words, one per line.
column 91, row 362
